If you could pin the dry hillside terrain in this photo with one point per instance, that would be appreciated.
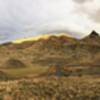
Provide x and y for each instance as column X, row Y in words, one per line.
column 53, row 68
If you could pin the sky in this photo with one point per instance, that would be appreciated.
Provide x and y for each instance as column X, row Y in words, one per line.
column 27, row 18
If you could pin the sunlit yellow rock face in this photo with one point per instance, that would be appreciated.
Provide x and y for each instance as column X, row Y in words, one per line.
column 45, row 36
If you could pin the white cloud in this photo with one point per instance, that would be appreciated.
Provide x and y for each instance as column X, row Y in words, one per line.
column 22, row 18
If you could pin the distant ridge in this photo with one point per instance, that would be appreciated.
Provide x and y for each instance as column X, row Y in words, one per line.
column 64, row 50
column 92, row 39
column 56, row 39
column 36, row 38
column 94, row 34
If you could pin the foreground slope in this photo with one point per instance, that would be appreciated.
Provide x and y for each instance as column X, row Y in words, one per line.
column 71, row 88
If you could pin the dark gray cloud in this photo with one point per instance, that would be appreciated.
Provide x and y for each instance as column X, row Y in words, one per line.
column 82, row 1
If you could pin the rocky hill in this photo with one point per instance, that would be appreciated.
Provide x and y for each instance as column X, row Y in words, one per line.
column 92, row 39
column 61, row 50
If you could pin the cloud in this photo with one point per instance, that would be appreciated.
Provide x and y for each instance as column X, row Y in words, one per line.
column 96, row 16
column 82, row 1
column 91, row 9
column 24, row 18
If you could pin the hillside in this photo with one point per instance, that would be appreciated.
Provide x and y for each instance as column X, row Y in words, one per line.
column 60, row 51
column 92, row 39
column 54, row 49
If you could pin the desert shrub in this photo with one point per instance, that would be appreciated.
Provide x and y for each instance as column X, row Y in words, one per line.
column 72, row 88
column 14, row 63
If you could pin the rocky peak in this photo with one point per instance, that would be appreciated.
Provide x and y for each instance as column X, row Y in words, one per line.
column 94, row 34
